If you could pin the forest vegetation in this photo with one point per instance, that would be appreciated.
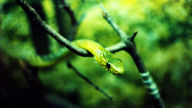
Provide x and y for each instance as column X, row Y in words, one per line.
column 153, row 36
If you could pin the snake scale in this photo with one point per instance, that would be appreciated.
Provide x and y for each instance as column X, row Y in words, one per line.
column 101, row 55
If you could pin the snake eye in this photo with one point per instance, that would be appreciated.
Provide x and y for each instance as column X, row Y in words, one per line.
column 108, row 65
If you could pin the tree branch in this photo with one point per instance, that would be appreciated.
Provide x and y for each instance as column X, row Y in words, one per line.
column 117, row 47
column 37, row 19
column 68, row 9
column 74, row 22
column 113, row 24
column 130, row 47
column 88, row 81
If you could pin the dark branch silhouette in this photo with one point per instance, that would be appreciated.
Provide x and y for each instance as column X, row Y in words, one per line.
column 88, row 81
column 129, row 46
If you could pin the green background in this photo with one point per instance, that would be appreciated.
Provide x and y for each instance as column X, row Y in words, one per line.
column 164, row 42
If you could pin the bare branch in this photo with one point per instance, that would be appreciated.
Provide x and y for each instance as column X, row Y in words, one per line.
column 113, row 24
column 75, row 23
column 68, row 9
column 88, row 81
column 130, row 47
column 37, row 19
column 117, row 47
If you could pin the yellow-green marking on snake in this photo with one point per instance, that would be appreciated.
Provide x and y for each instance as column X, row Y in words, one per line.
column 101, row 55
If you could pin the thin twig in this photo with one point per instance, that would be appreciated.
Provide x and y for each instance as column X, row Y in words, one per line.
column 88, row 81
column 74, row 21
column 68, row 9
column 71, row 13
column 117, row 47
column 113, row 24
column 130, row 47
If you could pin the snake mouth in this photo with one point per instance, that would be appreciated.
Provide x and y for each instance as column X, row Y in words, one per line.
column 116, row 70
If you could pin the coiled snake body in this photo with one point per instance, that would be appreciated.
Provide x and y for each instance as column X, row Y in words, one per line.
column 101, row 55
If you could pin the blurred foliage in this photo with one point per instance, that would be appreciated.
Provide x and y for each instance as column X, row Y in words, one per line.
column 164, row 42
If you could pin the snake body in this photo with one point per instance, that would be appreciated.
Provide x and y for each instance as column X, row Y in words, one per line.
column 25, row 52
column 101, row 55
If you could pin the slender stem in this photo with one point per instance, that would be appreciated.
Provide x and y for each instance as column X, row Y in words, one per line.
column 113, row 24
column 89, row 81
column 71, row 14
column 68, row 9
column 117, row 47
column 130, row 47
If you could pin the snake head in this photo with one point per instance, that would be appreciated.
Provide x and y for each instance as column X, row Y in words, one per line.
column 115, row 66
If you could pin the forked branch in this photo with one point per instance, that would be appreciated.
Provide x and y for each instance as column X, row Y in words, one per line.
column 61, row 39
column 130, row 47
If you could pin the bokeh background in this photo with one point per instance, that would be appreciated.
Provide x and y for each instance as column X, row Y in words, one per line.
column 164, row 42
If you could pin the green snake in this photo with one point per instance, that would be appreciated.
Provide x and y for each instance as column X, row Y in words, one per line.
column 101, row 55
